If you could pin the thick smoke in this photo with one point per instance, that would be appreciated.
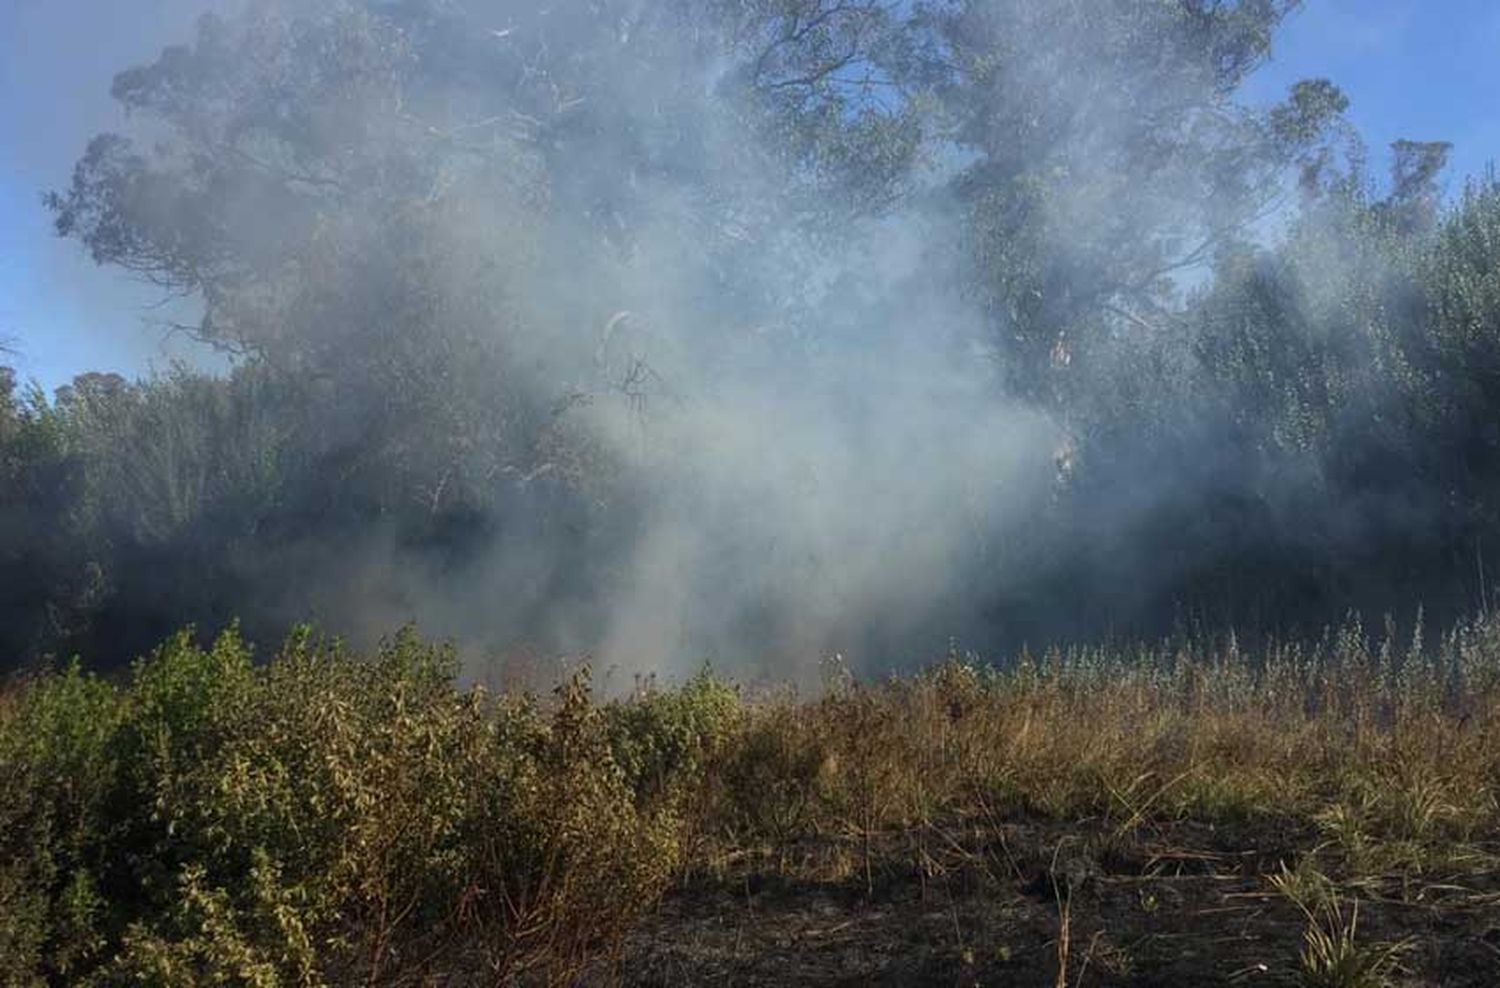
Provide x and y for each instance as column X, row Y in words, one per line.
column 748, row 332
column 803, row 420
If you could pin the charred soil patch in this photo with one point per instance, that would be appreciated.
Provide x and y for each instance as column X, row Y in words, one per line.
column 1061, row 904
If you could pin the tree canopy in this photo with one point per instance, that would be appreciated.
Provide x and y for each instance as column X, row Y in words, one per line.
column 463, row 252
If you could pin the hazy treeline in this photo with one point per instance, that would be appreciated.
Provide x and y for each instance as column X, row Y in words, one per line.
column 672, row 330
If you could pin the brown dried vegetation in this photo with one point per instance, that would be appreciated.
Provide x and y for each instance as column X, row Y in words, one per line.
column 1321, row 814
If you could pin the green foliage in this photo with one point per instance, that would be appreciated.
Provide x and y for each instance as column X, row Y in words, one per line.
column 1321, row 413
column 311, row 820
column 664, row 739
column 59, row 761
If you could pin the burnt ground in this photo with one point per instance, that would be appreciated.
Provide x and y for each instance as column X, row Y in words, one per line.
column 1175, row 906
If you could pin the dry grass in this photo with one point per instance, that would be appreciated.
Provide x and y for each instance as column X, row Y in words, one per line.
column 1392, row 760
column 1164, row 773
column 1086, row 817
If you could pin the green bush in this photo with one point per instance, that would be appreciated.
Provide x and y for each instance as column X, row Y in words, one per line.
column 58, row 763
column 313, row 820
column 663, row 739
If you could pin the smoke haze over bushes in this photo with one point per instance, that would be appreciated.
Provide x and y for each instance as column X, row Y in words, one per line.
column 756, row 331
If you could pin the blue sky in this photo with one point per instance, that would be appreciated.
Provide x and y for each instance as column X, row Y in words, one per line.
column 57, row 58
column 1419, row 69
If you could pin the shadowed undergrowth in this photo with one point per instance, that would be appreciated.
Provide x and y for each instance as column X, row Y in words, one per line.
column 325, row 818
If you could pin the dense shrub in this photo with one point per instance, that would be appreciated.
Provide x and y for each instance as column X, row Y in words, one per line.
column 315, row 819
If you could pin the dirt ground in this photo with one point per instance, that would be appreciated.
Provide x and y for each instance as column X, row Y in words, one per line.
column 1176, row 906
